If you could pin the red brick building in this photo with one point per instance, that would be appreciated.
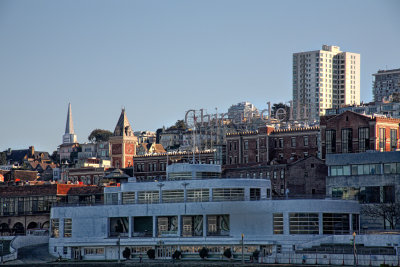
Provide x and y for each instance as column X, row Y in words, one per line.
column 87, row 176
column 153, row 166
column 303, row 178
column 288, row 145
column 351, row 132
column 267, row 144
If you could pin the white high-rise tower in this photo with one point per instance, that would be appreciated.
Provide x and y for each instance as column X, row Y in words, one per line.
column 322, row 79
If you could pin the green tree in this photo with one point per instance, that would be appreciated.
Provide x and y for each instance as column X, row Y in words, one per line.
column 99, row 135
column 55, row 157
column 151, row 253
column 203, row 253
column 3, row 158
column 126, row 253
column 277, row 106
column 179, row 124
column 228, row 253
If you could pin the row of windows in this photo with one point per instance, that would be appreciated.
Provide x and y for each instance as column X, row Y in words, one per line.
column 234, row 145
column 367, row 194
column 363, row 140
column 142, row 226
column 176, row 196
column 308, row 223
column 141, row 167
column 365, row 169
column 268, row 175
column 279, row 143
column 26, row 205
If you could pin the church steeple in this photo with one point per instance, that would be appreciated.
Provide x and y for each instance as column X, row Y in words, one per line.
column 69, row 137
column 69, row 128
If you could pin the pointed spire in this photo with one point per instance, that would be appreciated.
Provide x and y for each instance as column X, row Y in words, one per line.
column 69, row 128
column 123, row 128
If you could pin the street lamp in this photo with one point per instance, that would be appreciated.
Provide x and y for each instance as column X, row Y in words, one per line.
column 242, row 248
column 354, row 249
column 119, row 247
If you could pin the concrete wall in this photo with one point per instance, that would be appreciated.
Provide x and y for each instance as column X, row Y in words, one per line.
column 29, row 240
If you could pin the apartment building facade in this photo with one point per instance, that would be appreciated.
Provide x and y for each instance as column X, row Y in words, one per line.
column 386, row 83
column 322, row 79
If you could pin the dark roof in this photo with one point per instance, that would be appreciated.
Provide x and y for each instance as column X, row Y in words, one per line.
column 116, row 174
column 362, row 158
column 28, row 190
column 22, row 154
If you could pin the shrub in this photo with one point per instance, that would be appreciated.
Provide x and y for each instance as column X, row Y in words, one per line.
column 177, row 255
column 126, row 253
column 203, row 253
column 256, row 253
column 151, row 253
column 228, row 253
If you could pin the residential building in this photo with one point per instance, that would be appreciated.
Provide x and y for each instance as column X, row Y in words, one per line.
column 242, row 111
column 388, row 109
column 149, row 148
column 20, row 156
column 351, row 132
column 386, row 83
column 322, row 79
column 145, row 137
column 122, row 143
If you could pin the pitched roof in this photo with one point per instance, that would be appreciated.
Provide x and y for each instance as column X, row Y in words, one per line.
column 158, row 148
column 35, row 165
column 123, row 128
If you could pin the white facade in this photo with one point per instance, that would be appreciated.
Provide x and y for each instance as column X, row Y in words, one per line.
column 186, row 214
column 322, row 79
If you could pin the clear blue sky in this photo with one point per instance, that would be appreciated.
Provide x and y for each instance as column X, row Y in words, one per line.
column 161, row 58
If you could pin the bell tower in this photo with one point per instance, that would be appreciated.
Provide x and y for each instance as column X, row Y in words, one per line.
column 122, row 143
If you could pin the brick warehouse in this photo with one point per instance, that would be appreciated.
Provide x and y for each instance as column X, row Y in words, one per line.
column 303, row 178
column 153, row 166
column 268, row 144
column 351, row 132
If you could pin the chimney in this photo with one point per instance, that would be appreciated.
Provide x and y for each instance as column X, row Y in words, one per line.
column 31, row 151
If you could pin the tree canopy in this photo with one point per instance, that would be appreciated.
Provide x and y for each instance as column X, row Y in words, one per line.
column 3, row 158
column 277, row 106
column 179, row 124
column 99, row 135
